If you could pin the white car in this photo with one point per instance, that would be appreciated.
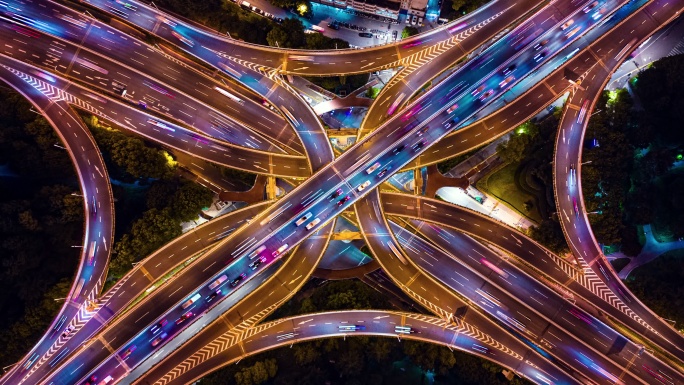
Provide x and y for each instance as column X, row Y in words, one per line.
column 373, row 168
column 313, row 223
column 303, row 219
column 363, row 185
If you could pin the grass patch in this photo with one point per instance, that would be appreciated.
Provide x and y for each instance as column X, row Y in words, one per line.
column 373, row 92
column 501, row 185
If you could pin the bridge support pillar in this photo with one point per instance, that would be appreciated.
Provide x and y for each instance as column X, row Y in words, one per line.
column 417, row 181
column 271, row 188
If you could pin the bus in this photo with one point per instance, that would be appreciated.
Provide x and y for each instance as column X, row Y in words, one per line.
column 78, row 289
column 91, row 254
column 289, row 116
column 228, row 94
column 192, row 300
column 229, row 70
column 396, row 103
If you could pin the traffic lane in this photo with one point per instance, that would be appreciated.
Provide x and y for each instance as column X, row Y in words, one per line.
column 200, row 87
column 283, row 283
column 382, row 323
column 310, row 132
column 80, row 365
column 137, row 121
column 98, row 207
column 559, row 311
column 158, row 264
column 533, row 325
column 513, row 113
column 259, row 83
column 151, row 269
column 435, row 297
column 136, row 54
column 137, row 355
column 571, row 149
column 532, row 254
column 505, row 13
column 329, row 61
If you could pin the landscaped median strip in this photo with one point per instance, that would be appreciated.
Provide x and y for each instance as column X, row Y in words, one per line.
column 165, row 278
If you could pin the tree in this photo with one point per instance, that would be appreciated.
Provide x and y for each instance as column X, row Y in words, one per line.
column 290, row 34
column 550, row 234
column 153, row 230
column 409, row 31
column 189, row 200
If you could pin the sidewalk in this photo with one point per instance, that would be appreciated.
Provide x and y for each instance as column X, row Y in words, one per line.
column 474, row 168
column 652, row 250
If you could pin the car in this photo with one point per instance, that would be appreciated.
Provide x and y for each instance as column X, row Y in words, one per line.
column 412, row 111
column 363, row 185
column 486, row 95
column 372, row 168
column 91, row 381
column 365, row 34
column 573, row 32
column 337, row 193
column 67, row 331
column 159, row 339
column 452, row 108
column 213, row 295
column 399, row 149
column 450, row 123
column 509, row 69
column 478, row 90
column 540, row 45
column 540, row 56
column 598, row 14
column 257, row 262
column 343, row 200
column 303, row 219
column 157, row 327
column 383, row 172
column 567, row 24
column 418, row 145
column 313, row 223
column 237, row 280
column 142, row 104
column 280, row 250
column 589, row 7
column 266, row 104
column 106, row 380
column 128, row 352
column 422, row 131
column 506, row 81
column 184, row 317
column 414, row 19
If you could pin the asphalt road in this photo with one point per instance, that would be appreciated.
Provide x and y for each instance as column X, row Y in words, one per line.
column 567, row 183
column 98, row 206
